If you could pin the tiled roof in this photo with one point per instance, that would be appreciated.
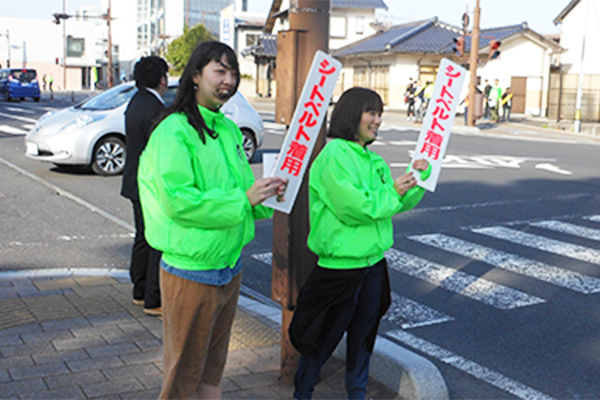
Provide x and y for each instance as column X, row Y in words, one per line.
column 266, row 47
column 429, row 36
column 359, row 3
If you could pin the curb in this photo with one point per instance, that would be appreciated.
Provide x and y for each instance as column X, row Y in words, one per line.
column 402, row 371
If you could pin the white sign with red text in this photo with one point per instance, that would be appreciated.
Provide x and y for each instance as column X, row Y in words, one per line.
column 305, row 125
column 435, row 132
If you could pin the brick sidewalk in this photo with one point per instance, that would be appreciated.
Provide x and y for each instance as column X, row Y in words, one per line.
column 66, row 336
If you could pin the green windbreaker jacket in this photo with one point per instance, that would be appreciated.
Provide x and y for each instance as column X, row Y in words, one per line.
column 351, row 202
column 193, row 195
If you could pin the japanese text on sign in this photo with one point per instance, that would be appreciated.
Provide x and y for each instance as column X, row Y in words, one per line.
column 435, row 132
column 304, row 128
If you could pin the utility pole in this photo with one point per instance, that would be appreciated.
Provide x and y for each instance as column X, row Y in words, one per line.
column 292, row 260
column 473, row 60
column 580, row 80
column 64, row 29
column 7, row 48
column 109, row 76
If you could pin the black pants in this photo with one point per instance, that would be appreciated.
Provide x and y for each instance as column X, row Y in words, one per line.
column 144, row 266
column 358, row 317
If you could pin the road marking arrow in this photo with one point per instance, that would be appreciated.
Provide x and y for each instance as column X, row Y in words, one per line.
column 553, row 168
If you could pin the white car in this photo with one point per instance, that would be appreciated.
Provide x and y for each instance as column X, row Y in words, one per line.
column 92, row 133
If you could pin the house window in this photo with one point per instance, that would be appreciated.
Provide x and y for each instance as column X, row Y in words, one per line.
column 251, row 39
column 75, row 47
column 376, row 77
column 360, row 25
column 337, row 27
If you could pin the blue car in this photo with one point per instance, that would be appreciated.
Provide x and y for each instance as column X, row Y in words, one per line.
column 19, row 83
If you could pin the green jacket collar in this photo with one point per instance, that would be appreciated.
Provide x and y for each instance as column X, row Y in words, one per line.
column 356, row 147
column 211, row 117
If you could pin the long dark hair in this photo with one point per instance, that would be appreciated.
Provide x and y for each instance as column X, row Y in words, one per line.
column 185, row 99
column 349, row 109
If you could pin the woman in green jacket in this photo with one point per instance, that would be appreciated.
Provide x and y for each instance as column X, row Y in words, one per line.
column 199, row 200
column 352, row 199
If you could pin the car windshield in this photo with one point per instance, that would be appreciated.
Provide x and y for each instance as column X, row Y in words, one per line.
column 23, row 75
column 110, row 99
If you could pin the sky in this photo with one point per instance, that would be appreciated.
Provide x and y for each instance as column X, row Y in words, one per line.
column 494, row 13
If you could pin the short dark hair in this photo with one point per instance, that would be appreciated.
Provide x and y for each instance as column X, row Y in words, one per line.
column 185, row 99
column 348, row 111
column 149, row 70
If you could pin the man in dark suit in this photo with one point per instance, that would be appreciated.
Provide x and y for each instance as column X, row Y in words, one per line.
column 142, row 114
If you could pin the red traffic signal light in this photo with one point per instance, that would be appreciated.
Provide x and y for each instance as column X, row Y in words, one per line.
column 494, row 52
column 459, row 45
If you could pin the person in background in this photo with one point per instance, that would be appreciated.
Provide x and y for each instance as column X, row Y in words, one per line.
column 352, row 199
column 199, row 200
column 409, row 97
column 486, row 94
column 506, row 104
column 141, row 115
column 50, row 83
column 494, row 101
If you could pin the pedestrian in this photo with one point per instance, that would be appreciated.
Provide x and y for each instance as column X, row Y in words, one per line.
column 44, row 82
column 506, row 104
column 199, row 200
column 494, row 101
column 486, row 95
column 466, row 112
column 50, row 83
column 352, row 199
column 409, row 99
column 141, row 116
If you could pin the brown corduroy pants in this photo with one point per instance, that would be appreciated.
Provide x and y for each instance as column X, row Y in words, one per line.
column 197, row 322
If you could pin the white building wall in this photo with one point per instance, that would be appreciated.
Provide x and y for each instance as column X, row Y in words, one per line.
column 584, row 16
column 348, row 25
column 521, row 57
column 29, row 50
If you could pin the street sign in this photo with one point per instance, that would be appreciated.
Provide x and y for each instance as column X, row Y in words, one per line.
column 305, row 125
column 435, row 131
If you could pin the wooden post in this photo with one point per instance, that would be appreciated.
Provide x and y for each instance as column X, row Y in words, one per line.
column 473, row 60
column 292, row 260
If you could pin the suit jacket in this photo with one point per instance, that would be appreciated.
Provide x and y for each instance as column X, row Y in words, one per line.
column 141, row 116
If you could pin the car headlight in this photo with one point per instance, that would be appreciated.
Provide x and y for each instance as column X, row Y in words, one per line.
column 82, row 121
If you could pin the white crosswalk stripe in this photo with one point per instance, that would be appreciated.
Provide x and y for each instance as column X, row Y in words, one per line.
column 11, row 130
column 595, row 218
column 571, row 229
column 408, row 313
column 542, row 243
column 514, row 263
column 487, row 292
column 478, row 371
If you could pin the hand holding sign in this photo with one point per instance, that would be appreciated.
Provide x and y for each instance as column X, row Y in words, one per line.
column 407, row 181
column 435, row 132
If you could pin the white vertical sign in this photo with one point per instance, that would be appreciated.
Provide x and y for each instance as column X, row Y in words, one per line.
column 302, row 134
column 227, row 26
column 435, row 132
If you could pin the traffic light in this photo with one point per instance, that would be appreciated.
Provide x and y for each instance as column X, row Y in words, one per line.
column 56, row 60
column 59, row 16
column 459, row 46
column 494, row 52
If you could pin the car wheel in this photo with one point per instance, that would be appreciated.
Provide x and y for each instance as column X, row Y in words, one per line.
column 109, row 156
column 249, row 144
column 36, row 99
